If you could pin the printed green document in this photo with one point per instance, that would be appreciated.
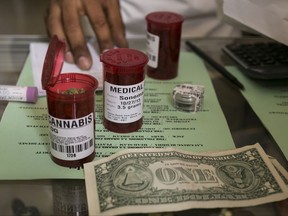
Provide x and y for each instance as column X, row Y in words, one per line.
column 269, row 100
column 24, row 131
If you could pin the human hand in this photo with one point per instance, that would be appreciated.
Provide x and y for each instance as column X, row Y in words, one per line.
column 63, row 19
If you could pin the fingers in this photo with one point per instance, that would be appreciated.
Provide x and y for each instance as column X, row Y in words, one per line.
column 74, row 33
column 117, row 26
column 64, row 21
column 106, row 21
column 54, row 25
column 53, row 19
column 97, row 18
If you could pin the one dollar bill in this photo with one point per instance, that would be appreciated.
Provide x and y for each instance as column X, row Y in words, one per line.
column 163, row 180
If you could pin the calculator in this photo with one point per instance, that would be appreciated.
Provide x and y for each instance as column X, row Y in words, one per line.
column 261, row 60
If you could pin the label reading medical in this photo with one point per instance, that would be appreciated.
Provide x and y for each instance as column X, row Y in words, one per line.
column 124, row 104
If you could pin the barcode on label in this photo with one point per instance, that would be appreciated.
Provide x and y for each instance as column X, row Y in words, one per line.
column 72, row 148
column 151, row 57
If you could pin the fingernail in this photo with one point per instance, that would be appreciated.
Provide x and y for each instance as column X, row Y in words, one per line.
column 83, row 63
column 105, row 50
column 69, row 57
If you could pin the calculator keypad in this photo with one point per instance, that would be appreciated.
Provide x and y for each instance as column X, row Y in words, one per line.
column 261, row 60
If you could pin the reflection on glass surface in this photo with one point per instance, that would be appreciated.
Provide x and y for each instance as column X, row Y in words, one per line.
column 69, row 198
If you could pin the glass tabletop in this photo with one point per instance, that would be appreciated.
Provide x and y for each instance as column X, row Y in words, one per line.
column 68, row 197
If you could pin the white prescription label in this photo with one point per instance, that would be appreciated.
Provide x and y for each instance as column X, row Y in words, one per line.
column 13, row 93
column 72, row 139
column 123, row 103
column 152, row 49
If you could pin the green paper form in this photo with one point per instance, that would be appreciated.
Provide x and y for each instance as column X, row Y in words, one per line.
column 269, row 100
column 24, row 132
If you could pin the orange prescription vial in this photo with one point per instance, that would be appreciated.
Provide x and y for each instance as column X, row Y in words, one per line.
column 71, row 110
column 123, row 89
column 163, row 44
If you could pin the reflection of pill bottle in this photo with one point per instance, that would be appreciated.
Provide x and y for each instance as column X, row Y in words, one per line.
column 163, row 44
column 69, row 197
column 123, row 89
column 71, row 110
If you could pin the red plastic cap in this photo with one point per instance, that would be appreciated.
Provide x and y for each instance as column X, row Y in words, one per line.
column 53, row 62
column 165, row 19
column 124, row 58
